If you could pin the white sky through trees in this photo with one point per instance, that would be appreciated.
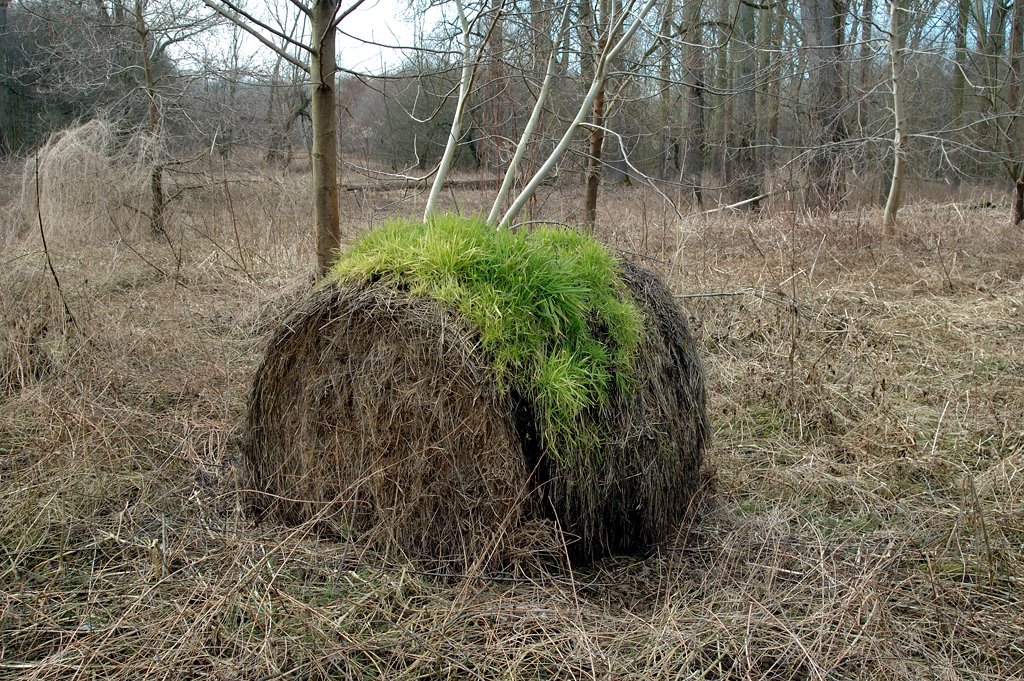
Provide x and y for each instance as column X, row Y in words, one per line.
column 385, row 22
column 370, row 39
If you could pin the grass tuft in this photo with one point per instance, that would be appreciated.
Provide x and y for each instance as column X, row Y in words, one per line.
column 548, row 304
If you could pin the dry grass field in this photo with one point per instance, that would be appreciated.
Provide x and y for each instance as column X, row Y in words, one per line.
column 867, row 397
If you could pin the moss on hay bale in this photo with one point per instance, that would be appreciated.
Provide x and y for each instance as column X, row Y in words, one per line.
column 452, row 391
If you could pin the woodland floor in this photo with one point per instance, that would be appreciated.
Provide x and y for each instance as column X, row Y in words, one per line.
column 867, row 396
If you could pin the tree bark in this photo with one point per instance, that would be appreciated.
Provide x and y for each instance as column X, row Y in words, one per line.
column 665, row 90
column 745, row 117
column 531, row 124
column 496, row 99
column 775, row 18
column 156, row 181
column 324, row 152
column 1013, row 141
column 822, row 22
column 455, row 132
column 594, row 163
column 720, row 102
column 586, row 30
column 897, row 58
column 692, row 142
column 600, row 74
column 597, row 119
column 4, row 94
column 960, row 59
column 867, row 19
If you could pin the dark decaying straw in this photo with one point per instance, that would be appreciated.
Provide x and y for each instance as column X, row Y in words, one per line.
column 372, row 411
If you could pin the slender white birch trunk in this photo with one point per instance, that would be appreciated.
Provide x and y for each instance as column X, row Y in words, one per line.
column 524, row 141
column 600, row 74
column 456, row 129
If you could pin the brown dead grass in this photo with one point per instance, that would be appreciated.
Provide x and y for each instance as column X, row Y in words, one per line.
column 867, row 398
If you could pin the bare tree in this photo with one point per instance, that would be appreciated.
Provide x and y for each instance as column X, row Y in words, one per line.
column 610, row 50
column 469, row 66
column 4, row 94
column 323, row 17
column 769, row 87
column 897, row 34
column 821, row 21
column 665, row 88
column 113, row 59
column 692, row 142
column 1013, row 133
column 745, row 118
column 597, row 120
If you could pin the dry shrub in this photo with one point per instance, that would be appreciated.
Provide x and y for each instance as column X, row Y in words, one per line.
column 373, row 409
column 84, row 181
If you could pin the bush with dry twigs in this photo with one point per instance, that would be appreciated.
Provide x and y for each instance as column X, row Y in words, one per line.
column 85, row 182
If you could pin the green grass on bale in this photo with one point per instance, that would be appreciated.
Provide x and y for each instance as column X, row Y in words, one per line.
column 555, row 320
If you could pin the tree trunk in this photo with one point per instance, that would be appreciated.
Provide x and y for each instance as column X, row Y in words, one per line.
column 822, row 22
column 594, row 163
column 531, row 123
column 156, row 182
column 585, row 34
column 991, row 41
column 720, row 102
column 600, row 70
column 744, row 109
column 1013, row 136
column 866, row 23
column 4, row 93
column 324, row 159
column 455, row 132
column 960, row 59
column 897, row 58
column 603, row 21
column 665, row 90
column 496, row 98
column 1017, row 215
column 692, row 142
column 775, row 18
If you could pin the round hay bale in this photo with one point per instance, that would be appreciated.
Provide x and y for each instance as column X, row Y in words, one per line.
column 652, row 459
column 373, row 410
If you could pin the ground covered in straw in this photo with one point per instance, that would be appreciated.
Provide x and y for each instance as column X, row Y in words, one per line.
column 868, row 404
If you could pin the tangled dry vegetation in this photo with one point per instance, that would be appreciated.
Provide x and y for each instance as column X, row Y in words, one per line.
column 867, row 399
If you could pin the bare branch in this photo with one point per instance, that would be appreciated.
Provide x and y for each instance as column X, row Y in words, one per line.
column 542, row 96
column 599, row 76
column 255, row 28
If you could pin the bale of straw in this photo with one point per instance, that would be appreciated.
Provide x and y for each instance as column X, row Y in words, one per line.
column 373, row 411
column 651, row 470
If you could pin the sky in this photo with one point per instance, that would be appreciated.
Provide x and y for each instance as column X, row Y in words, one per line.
column 369, row 40
column 388, row 22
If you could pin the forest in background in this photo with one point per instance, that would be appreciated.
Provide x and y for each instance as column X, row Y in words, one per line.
column 744, row 102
